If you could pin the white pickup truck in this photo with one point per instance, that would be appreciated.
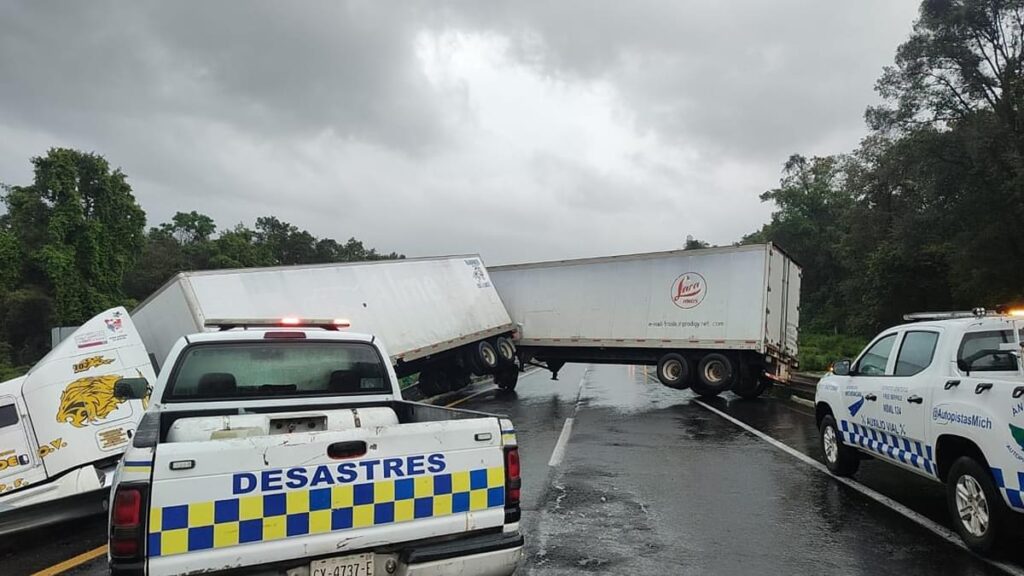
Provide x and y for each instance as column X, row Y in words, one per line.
column 288, row 450
column 942, row 397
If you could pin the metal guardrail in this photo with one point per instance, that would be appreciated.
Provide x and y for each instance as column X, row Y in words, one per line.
column 803, row 384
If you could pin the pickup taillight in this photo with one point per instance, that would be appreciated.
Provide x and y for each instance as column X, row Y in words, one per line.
column 127, row 523
column 513, row 484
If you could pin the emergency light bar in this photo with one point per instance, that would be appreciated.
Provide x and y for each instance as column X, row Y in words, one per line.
column 974, row 313
column 288, row 321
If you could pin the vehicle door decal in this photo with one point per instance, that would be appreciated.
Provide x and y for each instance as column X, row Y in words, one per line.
column 1013, row 494
column 891, row 446
column 245, row 519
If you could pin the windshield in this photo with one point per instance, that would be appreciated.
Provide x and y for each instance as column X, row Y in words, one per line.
column 277, row 369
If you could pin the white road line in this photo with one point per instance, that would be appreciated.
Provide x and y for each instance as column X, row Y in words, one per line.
column 940, row 530
column 563, row 439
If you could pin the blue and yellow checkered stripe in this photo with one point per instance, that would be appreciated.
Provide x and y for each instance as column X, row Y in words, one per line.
column 265, row 517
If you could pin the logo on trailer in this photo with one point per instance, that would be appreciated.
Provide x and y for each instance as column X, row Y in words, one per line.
column 688, row 290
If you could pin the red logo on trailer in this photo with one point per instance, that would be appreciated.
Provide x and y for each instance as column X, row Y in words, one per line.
column 688, row 290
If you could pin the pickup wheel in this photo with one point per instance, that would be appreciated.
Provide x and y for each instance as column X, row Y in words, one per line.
column 715, row 374
column 975, row 504
column 840, row 459
column 674, row 371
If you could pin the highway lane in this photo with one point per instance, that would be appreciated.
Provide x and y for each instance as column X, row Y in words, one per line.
column 650, row 481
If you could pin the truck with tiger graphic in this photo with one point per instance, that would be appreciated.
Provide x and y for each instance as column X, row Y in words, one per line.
column 62, row 428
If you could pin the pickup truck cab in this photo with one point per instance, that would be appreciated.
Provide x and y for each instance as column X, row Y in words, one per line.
column 942, row 397
column 288, row 450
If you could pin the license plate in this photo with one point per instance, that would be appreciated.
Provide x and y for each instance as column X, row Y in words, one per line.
column 354, row 565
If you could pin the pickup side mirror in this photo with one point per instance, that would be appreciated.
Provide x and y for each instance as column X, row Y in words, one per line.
column 841, row 367
column 131, row 388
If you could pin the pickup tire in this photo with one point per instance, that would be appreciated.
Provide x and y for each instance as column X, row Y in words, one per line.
column 674, row 371
column 715, row 374
column 975, row 504
column 840, row 459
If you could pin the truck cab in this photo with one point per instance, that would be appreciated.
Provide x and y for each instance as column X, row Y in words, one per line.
column 942, row 397
column 62, row 428
column 284, row 447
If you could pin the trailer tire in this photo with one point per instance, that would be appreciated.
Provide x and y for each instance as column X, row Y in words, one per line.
column 749, row 385
column 507, row 378
column 481, row 357
column 459, row 379
column 715, row 374
column 506, row 350
column 674, row 371
column 431, row 382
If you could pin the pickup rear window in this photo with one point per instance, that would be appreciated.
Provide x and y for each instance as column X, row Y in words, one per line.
column 981, row 351
column 254, row 370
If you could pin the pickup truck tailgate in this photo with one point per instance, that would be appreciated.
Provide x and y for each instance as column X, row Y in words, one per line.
column 307, row 494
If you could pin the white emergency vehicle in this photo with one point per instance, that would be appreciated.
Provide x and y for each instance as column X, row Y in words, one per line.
column 942, row 396
column 288, row 449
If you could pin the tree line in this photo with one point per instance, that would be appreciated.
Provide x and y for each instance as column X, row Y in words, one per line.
column 927, row 213
column 74, row 243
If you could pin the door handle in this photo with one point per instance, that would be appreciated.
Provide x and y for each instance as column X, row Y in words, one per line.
column 342, row 450
column 915, row 399
column 982, row 387
column 951, row 384
column 871, row 397
column 1018, row 391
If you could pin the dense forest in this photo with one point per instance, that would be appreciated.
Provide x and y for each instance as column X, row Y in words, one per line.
column 928, row 212
column 925, row 214
column 74, row 242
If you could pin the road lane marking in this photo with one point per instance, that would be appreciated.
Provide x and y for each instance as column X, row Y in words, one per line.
column 73, row 562
column 470, row 397
column 940, row 530
column 563, row 439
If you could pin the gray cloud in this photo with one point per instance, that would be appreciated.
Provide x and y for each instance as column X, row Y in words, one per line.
column 520, row 129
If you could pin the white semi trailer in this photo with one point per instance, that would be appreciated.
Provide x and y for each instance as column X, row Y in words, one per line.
column 439, row 317
column 713, row 319
column 63, row 430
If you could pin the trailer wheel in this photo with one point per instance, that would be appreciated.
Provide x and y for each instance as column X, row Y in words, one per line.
column 482, row 357
column 506, row 350
column 431, row 382
column 457, row 378
column 507, row 378
column 674, row 371
column 749, row 385
column 715, row 374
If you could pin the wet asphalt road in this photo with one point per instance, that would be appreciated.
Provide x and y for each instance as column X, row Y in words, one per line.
column 649, row 481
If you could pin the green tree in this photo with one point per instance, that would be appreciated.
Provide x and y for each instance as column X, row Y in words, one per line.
column 80, row 228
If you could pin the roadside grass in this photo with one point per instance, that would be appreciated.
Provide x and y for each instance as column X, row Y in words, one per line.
column 819, row 351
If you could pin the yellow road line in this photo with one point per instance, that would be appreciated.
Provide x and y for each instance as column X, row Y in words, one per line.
column 73, row 562
column 470, row 397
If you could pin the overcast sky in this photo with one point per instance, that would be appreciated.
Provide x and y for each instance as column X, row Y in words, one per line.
column 521, row 130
